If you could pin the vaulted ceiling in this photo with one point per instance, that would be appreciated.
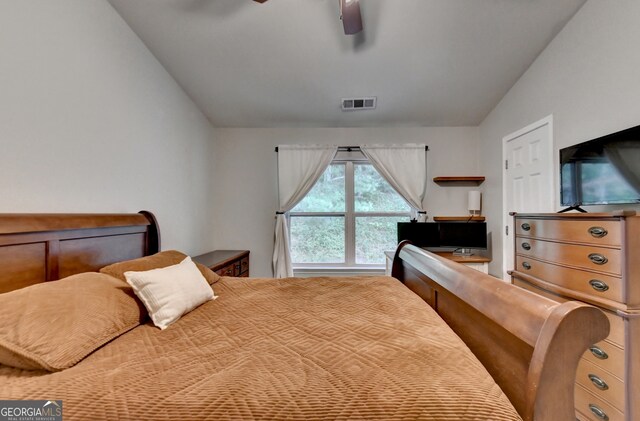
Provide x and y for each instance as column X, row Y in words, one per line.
column 287, row 63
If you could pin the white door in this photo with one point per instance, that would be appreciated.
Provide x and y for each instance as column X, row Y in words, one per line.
column 528, row 178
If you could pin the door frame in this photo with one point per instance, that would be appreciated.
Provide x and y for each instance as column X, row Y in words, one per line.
column 507, row 253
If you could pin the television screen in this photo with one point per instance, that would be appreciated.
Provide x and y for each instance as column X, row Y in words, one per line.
column 421, row 234
column 444, row 234
column 472, row 235
column 602, row 171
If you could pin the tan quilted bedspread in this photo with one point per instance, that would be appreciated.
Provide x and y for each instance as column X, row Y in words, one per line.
column 297, row 349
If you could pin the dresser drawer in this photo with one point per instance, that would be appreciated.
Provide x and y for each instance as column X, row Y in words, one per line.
column 592, row 232
column 580, row 417
column 601, row 383
column 244, row 266
column 616, row 328
column 594, row 284
column 594, row 408
column 616, row 323
column 226, row 271
column 588, row 257
column 608, row 357
column 236, row 268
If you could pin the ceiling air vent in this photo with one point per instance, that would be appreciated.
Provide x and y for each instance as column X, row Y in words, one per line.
column 357, row 104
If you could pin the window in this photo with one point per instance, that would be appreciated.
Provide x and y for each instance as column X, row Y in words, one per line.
column 349, row 219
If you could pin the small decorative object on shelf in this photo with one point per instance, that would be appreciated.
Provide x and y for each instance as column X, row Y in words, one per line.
column 474, row 202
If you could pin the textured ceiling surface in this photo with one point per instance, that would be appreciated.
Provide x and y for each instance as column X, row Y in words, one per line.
column 287, row 63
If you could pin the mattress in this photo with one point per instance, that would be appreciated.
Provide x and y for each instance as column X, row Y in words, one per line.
column 267, row 349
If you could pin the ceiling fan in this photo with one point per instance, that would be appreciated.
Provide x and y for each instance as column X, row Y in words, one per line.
column 349, row 13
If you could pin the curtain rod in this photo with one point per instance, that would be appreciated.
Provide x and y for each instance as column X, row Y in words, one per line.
column 355, row 148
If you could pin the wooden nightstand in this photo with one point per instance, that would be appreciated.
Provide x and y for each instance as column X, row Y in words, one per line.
column 226, row 262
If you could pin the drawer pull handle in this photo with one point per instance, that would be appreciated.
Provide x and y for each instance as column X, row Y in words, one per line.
column 598, row 352
column 598, row 285
column 526, row 226
column 526, row 246
column 598, row 382
column 598, row 232
column 526, row 265
column 595, row 409
column 598, row 258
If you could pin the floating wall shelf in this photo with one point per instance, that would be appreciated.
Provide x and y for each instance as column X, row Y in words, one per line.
column 458, row 218
column 460, row 179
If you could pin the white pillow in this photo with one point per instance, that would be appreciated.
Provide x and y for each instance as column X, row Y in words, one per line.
column 170, row 292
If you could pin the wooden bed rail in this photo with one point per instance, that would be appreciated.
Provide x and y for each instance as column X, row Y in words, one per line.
column 531, row 345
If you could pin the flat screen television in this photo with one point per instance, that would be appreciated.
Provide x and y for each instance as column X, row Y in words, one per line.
column 603, row 171
column 472, row 235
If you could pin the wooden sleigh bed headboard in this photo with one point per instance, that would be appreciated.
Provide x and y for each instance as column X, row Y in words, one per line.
column 529, row 344
column 44, row 247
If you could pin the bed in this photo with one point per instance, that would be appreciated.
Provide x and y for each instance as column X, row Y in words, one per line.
column 436, row 341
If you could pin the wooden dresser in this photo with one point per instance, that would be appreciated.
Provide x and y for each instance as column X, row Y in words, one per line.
column 226, row 262
column 594, row 258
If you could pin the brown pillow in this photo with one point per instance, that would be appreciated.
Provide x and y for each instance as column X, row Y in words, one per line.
column 54, row 325
column 156, row 261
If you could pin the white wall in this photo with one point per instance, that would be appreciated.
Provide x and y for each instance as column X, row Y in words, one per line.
column 588, row 78
column 91, row 122
column 245, row 168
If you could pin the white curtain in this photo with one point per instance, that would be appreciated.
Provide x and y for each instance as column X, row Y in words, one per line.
column 405, row 168
column 299, row 167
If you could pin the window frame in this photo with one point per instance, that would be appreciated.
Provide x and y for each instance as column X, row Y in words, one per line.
column 350, row 216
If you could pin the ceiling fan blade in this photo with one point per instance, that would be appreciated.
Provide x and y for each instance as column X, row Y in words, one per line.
column 351, row 17
column 349, row 13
